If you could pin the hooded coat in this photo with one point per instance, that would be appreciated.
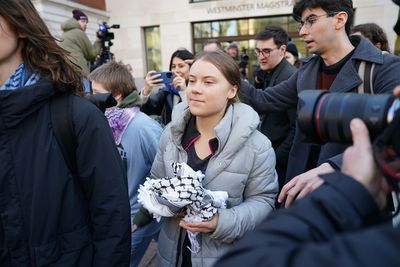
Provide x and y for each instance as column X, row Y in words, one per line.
column 243, row 166
column 49, row 217
column 76, row 42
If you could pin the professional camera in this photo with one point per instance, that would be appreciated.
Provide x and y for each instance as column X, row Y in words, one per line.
column 105, row 37
column 102, row 101
column 325, row 117
column 104, row 34
column 244, row 61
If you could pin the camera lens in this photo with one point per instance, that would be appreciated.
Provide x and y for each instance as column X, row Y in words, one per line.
column 325, row 117
column 169, row 75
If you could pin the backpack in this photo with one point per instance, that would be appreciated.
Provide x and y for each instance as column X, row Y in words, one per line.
column 61, row 120
column 366, row 72
column 60, row 115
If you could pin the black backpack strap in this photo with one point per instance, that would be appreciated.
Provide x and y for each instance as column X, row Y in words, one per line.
column 61, row 120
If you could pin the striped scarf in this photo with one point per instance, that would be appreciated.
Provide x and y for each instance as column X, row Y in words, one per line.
column 20, row 78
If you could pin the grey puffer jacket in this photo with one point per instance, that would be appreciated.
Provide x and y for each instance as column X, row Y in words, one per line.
column 243, row 166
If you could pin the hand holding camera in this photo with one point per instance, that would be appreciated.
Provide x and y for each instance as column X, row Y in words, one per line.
column 358, row 162
column 325, row 117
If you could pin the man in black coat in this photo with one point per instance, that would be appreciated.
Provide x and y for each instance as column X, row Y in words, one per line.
column 278, row 126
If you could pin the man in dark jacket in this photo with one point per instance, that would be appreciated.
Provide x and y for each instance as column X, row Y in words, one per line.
column 279, row 126
column 324, row 26
column 336, row 225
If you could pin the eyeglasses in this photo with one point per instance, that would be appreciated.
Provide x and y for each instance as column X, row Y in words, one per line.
column 310, row 20
column 265, row 52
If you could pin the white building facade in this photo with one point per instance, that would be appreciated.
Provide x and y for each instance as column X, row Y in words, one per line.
column 151, row 30
column 55, row 12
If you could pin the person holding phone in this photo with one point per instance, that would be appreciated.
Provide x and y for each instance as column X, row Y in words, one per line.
column 171, row 93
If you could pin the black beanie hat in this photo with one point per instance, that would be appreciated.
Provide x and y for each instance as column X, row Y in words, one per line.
column 79, row 15
column 291, row 47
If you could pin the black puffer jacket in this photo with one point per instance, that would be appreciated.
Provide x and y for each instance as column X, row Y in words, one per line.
column 48, row 216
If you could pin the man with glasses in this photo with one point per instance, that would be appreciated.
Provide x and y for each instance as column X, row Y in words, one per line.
column 278, row 126
column 325, row 27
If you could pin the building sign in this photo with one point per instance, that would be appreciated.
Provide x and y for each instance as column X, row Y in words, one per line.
column 250, row 7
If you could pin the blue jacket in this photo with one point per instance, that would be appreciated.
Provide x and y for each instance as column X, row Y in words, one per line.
column 139, row 145
column 284, row 95
column 336, row 225
column 48, row 216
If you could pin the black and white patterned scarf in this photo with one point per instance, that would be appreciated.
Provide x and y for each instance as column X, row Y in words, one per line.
column 183, row 192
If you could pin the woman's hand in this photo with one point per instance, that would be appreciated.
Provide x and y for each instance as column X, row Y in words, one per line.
column 201, row 227
column 179, row 83
column 152, row 80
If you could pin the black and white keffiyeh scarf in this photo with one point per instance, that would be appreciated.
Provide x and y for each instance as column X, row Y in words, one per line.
column 183, row 192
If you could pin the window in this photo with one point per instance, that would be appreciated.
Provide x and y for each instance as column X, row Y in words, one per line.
column 198, row 1
column 242, row 32
column 153, row 48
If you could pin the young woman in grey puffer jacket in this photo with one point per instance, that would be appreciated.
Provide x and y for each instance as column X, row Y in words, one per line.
column 217, row 135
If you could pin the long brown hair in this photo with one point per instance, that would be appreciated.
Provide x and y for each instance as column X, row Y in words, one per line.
column 40, row 51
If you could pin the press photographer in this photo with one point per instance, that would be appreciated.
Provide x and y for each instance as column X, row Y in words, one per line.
column 241, row 58
column 340, row 223
column 76, row 42
column 105, row 37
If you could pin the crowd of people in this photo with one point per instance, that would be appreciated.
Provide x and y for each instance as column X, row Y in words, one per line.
column 74, row 176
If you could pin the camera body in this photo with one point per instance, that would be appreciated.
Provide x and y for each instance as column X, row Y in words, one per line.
column 244, row 61
column 104, row 34
column 105, row 37
column 102, row 101
column 325, row 117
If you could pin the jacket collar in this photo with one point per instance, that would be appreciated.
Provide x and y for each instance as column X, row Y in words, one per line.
column 18, row 104
column 278, row 69
column 70, row 24
column 365, row 50
column 192, row 134
column 235, row 128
